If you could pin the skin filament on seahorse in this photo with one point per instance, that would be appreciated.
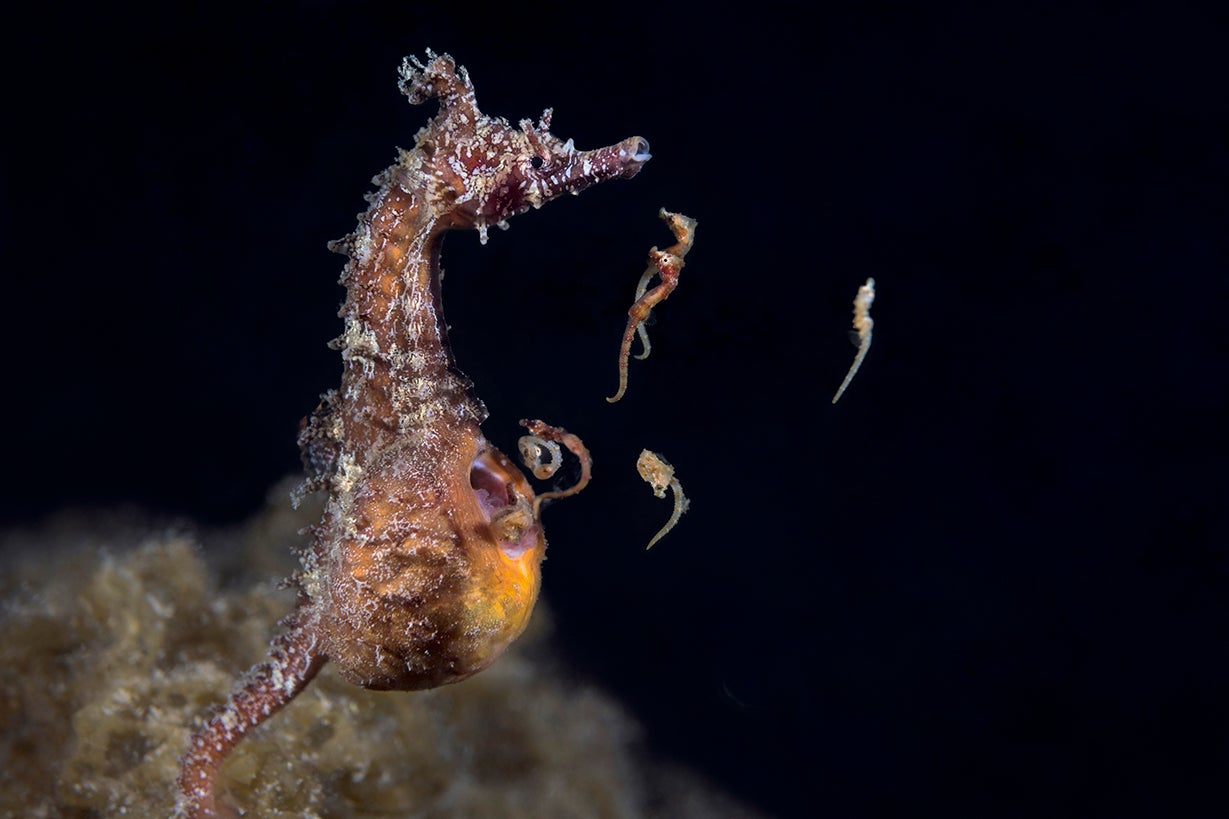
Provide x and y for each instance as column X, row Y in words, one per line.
column 425, row 563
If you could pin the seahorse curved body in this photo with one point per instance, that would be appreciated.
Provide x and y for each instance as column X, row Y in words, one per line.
column 425, row 564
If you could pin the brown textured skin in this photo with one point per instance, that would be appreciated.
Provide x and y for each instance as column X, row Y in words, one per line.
column 425, row 565
column 421, row 593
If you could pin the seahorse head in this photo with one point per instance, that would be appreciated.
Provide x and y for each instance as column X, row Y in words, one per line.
column 481, row 170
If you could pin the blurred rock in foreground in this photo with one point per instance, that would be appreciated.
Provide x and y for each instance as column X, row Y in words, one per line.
column 115, row 640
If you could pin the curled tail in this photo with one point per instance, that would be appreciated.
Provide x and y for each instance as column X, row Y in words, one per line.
column 293, row 660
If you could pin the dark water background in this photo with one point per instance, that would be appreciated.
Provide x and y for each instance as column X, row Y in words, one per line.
column 992, row 581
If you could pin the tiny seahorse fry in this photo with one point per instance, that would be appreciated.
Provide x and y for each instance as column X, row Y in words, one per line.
column 667, row 264
column 425, row 564
column 862, row 324
column 659, row 474
column 544, row 436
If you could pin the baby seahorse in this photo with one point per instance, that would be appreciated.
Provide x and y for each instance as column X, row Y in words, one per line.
column 425, row 565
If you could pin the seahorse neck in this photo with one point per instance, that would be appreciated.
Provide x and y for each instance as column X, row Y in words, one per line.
column 398, row 364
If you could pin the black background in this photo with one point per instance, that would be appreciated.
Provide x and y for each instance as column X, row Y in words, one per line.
column 992, row 581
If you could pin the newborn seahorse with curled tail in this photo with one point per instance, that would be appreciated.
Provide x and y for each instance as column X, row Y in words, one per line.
column 425, row 565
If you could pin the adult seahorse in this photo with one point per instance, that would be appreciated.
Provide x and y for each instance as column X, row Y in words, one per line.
column 425, row 565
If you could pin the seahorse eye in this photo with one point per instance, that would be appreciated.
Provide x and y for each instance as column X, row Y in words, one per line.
column 536, row 162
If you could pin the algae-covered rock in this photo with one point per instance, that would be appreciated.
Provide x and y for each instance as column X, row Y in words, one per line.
column 116, row 645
